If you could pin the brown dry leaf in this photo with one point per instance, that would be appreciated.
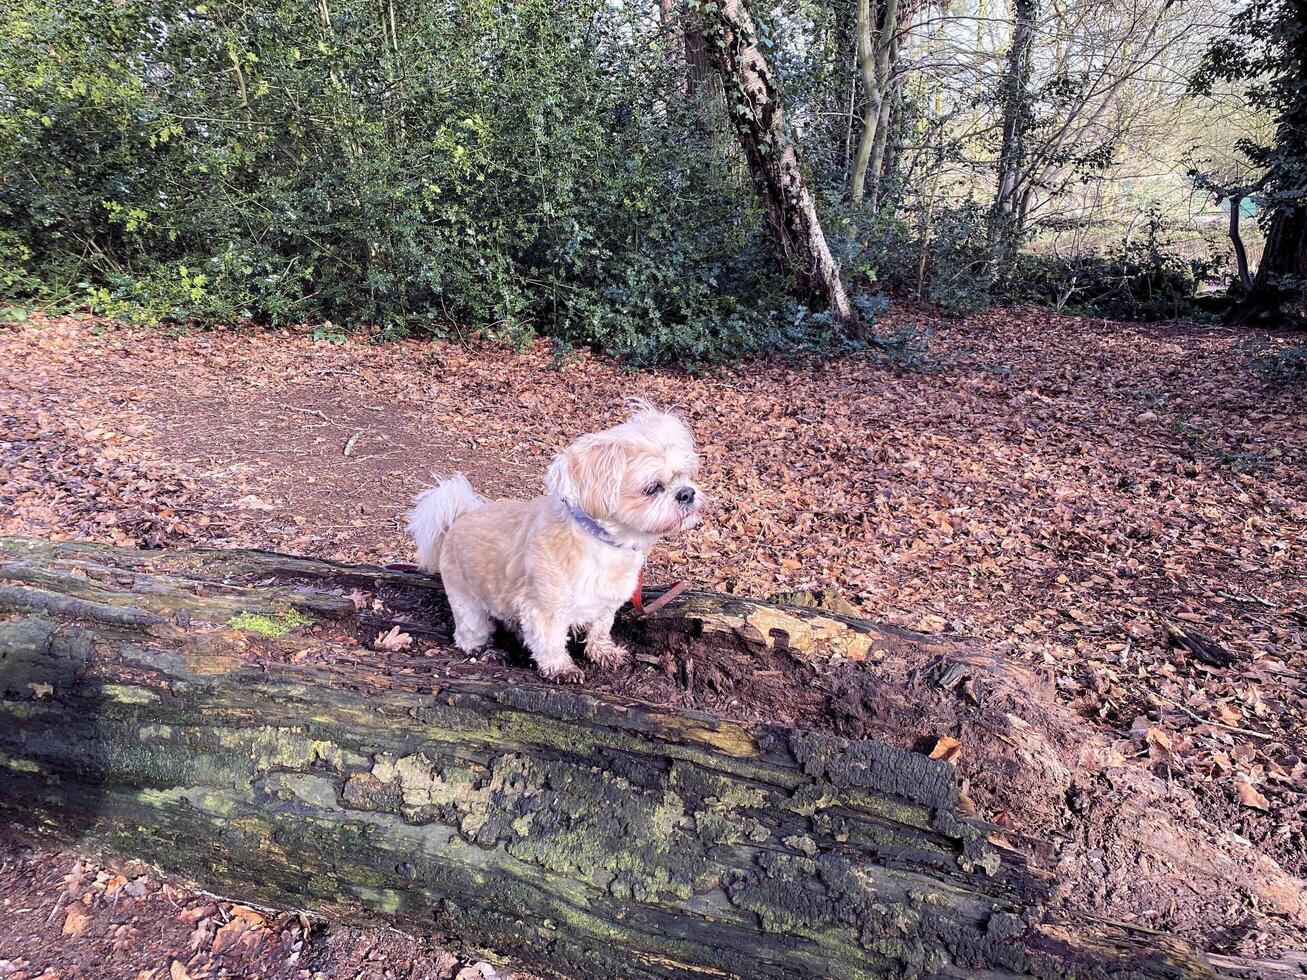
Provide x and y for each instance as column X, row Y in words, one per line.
column 229, row 936
column 1249, row 796
column 252, row 918
column 1159, row 747
column 113, row 885
column 196, row 913
column 1225, row 713
column 75, row 921
column 931, row 623
column 253, row 502
column 1243, row 753
column 178, row 971
column 1098, row 757
column 393, row 640
column 946, row 749
column 73, row 880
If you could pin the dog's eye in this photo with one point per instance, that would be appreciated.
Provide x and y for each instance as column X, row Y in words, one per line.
column 653, row 490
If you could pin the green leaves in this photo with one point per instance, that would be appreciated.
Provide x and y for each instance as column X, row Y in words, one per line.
column 462, row 165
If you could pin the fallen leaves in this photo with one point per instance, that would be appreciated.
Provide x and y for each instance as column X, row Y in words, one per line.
column 75, row 921
column 1099, row 757
column 1063, row 491
column 71, row 917
column 946, row 749
column 393, row 640
column 1249, row 795
column 1159, row 747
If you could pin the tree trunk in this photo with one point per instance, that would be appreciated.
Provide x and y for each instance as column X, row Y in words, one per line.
column 754, row 102
column 674, row 47
column 875, row 59
column 1279, row 292
column 1236, row 239
column 212, row 713
column 877, row 165
column 1005, row 226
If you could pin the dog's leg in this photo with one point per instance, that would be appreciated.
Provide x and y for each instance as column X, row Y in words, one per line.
column 473, row 626
column 600, row 646
column 547, row 641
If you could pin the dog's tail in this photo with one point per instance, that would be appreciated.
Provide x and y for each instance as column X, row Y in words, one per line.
column 434, row 510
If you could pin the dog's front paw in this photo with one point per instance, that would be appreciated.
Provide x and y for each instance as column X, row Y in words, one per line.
column 563, row 672
column 607, row 653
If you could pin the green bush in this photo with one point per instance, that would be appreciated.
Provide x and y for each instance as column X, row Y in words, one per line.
column 506, row 169
column 1145, row 278
column 1280, row 365
column 941, row 257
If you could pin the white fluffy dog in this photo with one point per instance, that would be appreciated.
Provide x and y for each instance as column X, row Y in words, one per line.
column 569, row 559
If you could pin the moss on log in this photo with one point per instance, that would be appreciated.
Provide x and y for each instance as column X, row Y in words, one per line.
column 575, row 833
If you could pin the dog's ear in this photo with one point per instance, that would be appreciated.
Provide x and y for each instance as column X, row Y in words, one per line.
column 589, row 473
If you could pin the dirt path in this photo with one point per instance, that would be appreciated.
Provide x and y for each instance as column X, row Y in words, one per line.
column 1063, row 488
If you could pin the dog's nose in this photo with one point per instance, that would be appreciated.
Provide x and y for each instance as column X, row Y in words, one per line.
column 685, row 495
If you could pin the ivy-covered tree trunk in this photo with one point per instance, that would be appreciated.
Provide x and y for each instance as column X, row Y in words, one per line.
column 753, row 99
column 1279, row 291
column 213, row 713
column 1008, row 212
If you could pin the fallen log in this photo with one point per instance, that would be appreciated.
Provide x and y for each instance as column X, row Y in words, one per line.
column 221, row 715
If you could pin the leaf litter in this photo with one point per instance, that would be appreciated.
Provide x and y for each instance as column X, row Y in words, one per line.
column 1120, row 505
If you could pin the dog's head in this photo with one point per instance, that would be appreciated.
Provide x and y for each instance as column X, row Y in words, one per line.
column 637, row 477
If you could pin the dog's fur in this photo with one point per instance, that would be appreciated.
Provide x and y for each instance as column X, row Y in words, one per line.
column 532, row 564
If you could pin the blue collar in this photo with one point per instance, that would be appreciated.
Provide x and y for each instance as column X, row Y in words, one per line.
column 590, row 525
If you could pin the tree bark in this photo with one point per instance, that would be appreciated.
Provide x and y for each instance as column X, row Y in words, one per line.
column 1279, row 293
column 753, row 100
column 875, row 59
column 210, row 712
column 674, row 48
column 1240, row 252
column 1007, row 213
column 1278, row 296
column 877, row 165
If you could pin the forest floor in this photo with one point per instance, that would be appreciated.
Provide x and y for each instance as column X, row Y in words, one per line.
column 1075, row 492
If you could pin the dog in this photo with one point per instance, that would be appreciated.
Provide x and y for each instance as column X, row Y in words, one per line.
column 567, row 560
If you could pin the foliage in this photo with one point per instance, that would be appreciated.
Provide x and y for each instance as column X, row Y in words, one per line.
column 539, row 168
column 1144, row 278
column 941, row 258
column 410, row 167
column 1265, row 50
column 1282, row 365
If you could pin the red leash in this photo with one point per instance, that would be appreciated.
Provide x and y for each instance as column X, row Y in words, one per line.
column 637, row 600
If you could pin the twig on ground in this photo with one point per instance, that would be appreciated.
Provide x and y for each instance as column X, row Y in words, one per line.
column 1215, row 724
column 1249, row 597
column 307, row 411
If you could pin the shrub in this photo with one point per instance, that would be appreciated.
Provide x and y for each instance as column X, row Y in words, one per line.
column 1145, row 278
column 1280, row 365
column 505, row 169
column 941, row 258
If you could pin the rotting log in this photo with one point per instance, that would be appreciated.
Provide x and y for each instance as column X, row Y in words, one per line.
column 214, row 713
